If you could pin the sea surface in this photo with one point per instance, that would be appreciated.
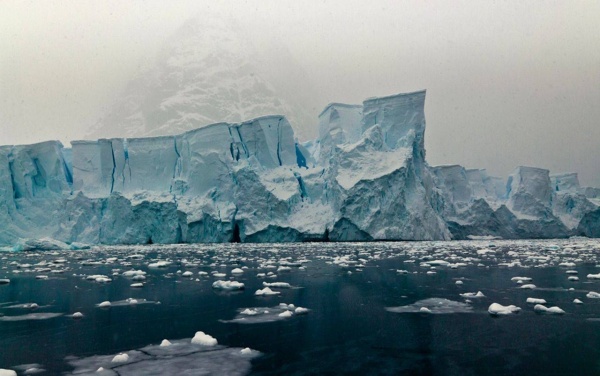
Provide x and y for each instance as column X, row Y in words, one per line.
column 366, row 309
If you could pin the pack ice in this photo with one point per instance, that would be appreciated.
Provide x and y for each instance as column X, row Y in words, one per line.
column 364, row 178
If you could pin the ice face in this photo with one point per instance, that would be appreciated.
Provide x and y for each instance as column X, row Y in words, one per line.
column 365, row 178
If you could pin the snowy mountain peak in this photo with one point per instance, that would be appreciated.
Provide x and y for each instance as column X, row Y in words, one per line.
column 208, row 72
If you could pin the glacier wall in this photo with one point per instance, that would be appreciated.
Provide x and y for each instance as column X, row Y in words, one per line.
column 364, row 178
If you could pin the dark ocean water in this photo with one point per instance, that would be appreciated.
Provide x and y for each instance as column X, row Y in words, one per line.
column 346, row 287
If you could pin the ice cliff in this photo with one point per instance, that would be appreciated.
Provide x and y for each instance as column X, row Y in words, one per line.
column 364, row 178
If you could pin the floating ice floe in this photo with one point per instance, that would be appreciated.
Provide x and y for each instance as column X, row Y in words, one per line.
column 593, row 295
column 433, row 305
column 498, row 309
column 159, row 264
column 593, row 276
column 577, row 301
column 24, row 306
column 165, row 343
column 137, row 285
column 77, row 315
column 181, row 357
column 4, row 281
column 7, row 372
column 266, row 291
column 237, row 271
column 477, row 294
column 133, row 273
column 258, row 315
column 31, row 316
column 278, row 285
column 458, row 282
column 228, row 285
column 522, row 279
column 201, row 338
column 536, row 301
column 529, row 286
column 99, row 278
column 542, row 309
column 187, row 274
column 126, row 302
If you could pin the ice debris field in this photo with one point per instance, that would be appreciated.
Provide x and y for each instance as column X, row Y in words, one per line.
column 308, row 308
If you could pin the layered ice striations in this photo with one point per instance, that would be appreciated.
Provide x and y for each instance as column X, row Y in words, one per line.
column 364, row 178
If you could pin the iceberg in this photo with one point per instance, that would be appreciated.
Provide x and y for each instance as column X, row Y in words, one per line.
column 364, row 178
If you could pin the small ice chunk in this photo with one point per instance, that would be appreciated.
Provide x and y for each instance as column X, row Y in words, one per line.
column 104, row 304
column 101, row 369
column 459, row 282
column 593, row 276
column 249, row 312
column 7, row 372
column 219, row 275
column 120, row 358
column 536, row 301
column 285, row 314
column 137, row 285
column 228, row 285
column 237, row 271
column 523, row 279
column 5, row 281
column 266, row 291
column 478, row 294
column 401, row 271
column 165, row 343
column 529, row 286
column 77, row 315
column 593, row 295
column 498, row 309
column 577, row 301
column 246, row 351
column 425, row 310
column 41, row 277
column 573, row 278
column 187, row 274
column 554, row 310
column 204, row 339
column 301, row 310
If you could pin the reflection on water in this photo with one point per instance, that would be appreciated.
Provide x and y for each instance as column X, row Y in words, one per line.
column 375, row 308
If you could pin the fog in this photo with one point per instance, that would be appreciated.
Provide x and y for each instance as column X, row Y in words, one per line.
column 508, row 83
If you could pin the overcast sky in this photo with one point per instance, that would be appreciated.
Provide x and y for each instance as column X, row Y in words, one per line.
column 508, row 83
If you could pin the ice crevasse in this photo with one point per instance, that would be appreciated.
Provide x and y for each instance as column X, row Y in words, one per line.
column 364, row 178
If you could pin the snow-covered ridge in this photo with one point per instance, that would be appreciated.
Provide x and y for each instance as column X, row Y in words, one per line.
column 364, row 178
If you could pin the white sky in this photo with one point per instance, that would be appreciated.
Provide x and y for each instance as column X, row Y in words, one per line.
column 509, row 83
